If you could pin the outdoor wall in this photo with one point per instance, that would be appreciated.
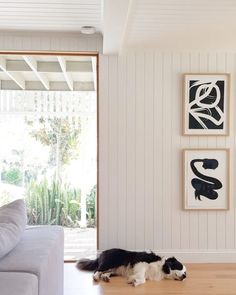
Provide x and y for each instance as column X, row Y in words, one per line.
column 140, row 149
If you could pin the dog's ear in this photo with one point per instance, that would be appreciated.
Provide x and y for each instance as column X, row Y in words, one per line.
column 166, row 268
column 174, row 263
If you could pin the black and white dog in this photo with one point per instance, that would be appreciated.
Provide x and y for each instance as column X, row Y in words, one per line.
column 136, row 266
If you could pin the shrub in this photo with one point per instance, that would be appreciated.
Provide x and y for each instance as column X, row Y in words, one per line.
column 12, row 176
column 91, row 207
column 52, row 203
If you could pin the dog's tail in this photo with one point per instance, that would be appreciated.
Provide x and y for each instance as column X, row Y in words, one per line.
column 87, row 264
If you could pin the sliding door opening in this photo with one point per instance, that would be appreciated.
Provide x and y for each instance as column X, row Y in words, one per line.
column 48, row 155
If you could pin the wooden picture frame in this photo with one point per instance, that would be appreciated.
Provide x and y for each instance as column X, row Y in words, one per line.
column 206, row 179
column 206, row 104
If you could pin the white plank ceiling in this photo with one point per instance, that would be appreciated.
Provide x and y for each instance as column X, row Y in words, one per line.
column 185, row 24
column 129, row 24
column 53, row 15
column 29, row 72
column 197, row 21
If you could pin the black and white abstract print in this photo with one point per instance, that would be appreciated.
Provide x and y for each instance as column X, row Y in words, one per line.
column 206, row 104
column 203, row 184
column 206, row 178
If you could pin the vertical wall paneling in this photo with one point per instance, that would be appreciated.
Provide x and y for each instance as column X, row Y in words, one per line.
column 233, row 150
column 176, row 162
column 158, row 150
column 130, row 152
column 113, row 150
column 145, row 154
column 140, row 150
column 103, row 152
column 166, row 142
column 149, row 149
column 122, row 159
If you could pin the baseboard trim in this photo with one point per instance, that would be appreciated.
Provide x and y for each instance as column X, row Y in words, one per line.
column 201, row 256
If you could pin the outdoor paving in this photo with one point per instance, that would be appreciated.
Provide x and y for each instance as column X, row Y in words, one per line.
column 80, row 243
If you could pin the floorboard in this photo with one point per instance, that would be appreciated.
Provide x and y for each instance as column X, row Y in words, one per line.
column 203, row 279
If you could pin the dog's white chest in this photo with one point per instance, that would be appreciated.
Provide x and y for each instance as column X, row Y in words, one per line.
column 154, row 272
column 123, row 271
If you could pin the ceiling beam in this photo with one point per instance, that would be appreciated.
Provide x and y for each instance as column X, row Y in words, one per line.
column 32, row 63
column 16, row 77
column 124, row 34
column 115, row 20
column 68, row 78
column 54, row 86
column 49, row 66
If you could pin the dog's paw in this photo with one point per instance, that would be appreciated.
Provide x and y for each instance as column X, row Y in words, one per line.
column 130, row 280
column 135, row 283
column 105, row 278
column 96, row 277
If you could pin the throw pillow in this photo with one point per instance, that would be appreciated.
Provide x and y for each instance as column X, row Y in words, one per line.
column 13, row 221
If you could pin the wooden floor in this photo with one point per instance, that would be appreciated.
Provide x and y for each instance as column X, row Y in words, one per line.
column 203, row 279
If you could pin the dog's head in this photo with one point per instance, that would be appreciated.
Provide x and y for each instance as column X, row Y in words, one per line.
column 173, row 269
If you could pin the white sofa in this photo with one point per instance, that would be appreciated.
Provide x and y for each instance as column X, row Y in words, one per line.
column 35, row 265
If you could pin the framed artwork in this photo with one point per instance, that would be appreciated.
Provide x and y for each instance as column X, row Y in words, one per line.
column 206, row 179
column 206, row 104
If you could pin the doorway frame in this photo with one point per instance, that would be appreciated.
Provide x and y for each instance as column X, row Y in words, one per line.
column 72, row 53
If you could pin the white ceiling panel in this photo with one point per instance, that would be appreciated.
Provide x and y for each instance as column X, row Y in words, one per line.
column 181, row 23
column 168, row 24
column 53, row 15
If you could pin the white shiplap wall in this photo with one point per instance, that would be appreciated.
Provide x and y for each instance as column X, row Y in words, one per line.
column 57, row 41
column 141, row 162
column 140, row 170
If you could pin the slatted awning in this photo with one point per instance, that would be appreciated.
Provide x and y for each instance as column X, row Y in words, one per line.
column 56, row 73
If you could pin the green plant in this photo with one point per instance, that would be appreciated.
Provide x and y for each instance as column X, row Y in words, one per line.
column 12, row 176
column 91, row 207
column 52, row 203
column 61, row 136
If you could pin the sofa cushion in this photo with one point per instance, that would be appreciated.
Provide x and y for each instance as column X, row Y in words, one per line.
column 13, row 221
column 39, row 252
column 13, row 283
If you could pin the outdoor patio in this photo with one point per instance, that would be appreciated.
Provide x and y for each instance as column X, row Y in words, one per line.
column 80, row 243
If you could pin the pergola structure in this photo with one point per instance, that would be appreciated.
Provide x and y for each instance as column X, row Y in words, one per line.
column 34, row 72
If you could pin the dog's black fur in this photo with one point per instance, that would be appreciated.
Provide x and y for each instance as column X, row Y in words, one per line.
column 114, row 258
column 172, row 264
